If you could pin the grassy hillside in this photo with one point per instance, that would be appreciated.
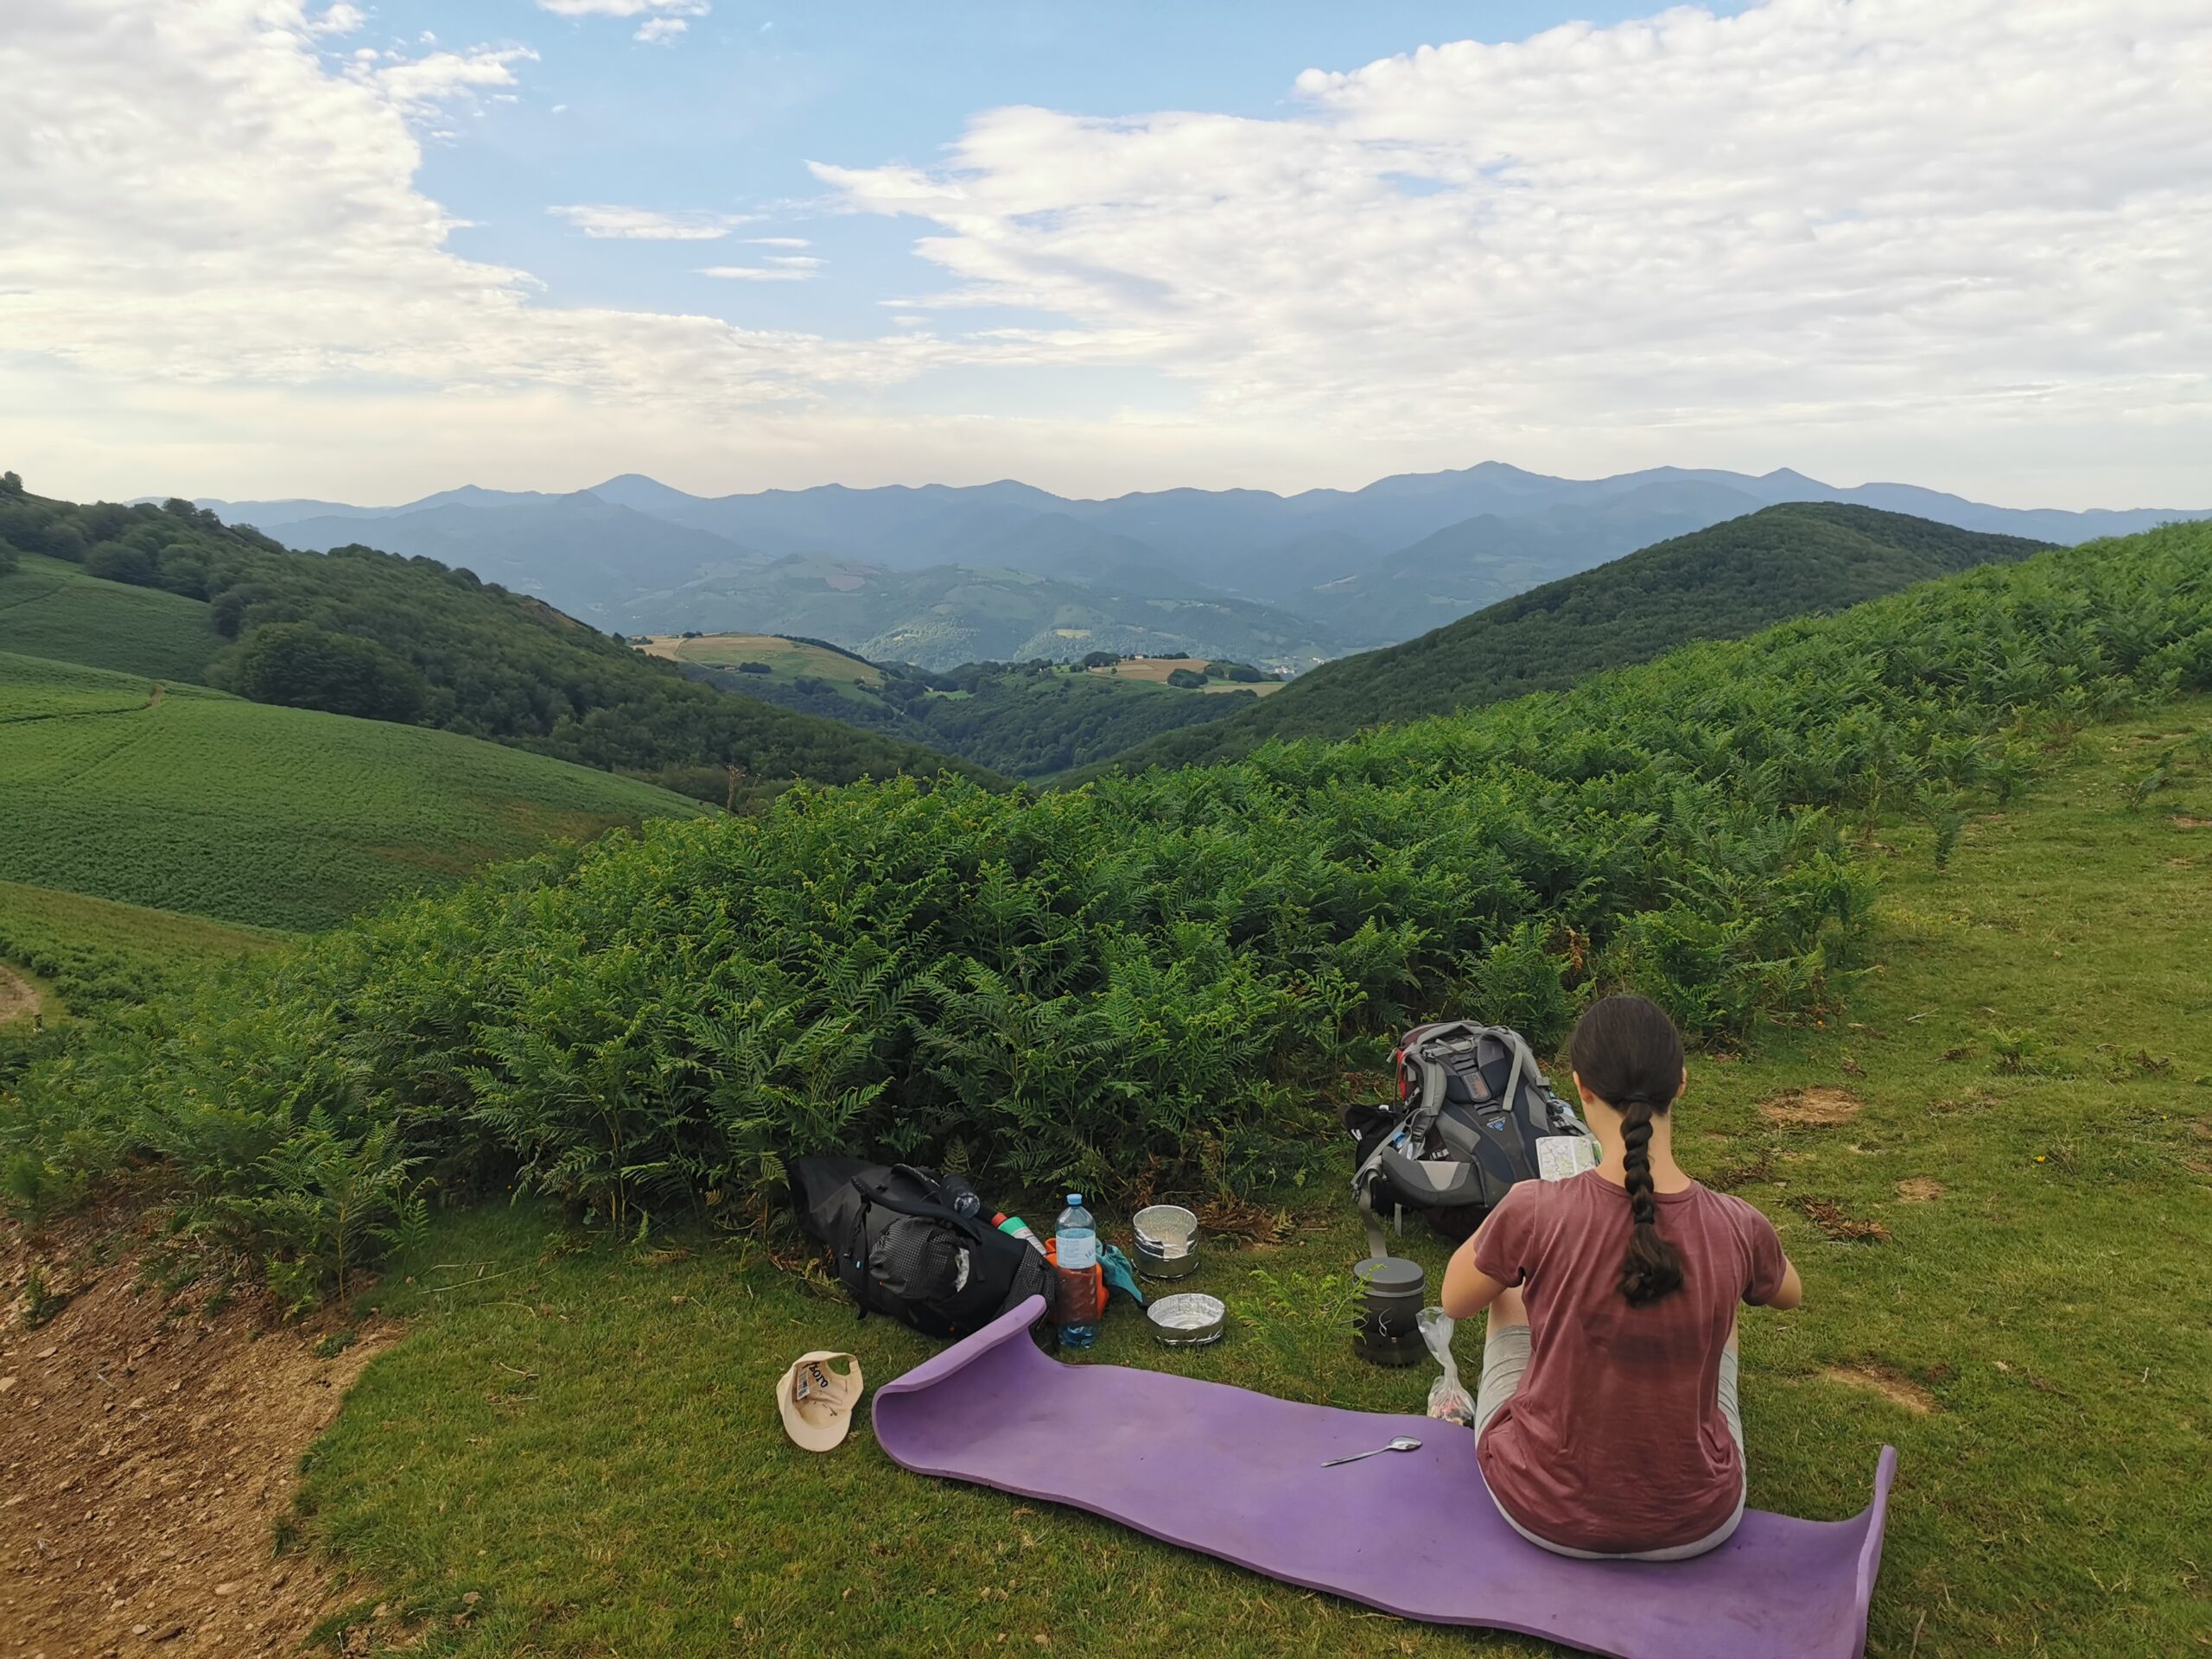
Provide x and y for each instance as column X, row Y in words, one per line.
column 50, row 607
column 183, row 799
column 1151, row 979
column 1720, row 583
column 2014, row 1319
column 1152, row 986
column 95, row 953
column 362, row 633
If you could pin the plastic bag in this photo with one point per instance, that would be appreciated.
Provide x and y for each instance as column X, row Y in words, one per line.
column 1448, row 1398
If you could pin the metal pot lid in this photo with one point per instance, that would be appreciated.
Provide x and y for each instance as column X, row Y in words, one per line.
column 1392, row 1275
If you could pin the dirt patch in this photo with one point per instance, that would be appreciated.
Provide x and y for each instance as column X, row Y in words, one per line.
column 1811, row 1108
column 1919, row 1189
column 148, row 1448
column 2183, row 820
column 17, row 999
column 1841, row 1224
column 1751, row 1171
column 1892, row 1384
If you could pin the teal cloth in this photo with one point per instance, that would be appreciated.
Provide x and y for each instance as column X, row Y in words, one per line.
column 1121, row 1275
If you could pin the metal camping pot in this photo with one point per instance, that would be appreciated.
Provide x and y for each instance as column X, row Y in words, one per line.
column 1167, row 1241
column 1388, row 1328
column 1186, row 1320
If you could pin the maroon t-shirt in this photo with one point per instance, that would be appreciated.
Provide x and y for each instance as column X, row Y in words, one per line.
column 1615, row 1440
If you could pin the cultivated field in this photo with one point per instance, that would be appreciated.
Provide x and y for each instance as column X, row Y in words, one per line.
column 51, row 608
column 788, row 659
column 184, row 799
column 1157, row 668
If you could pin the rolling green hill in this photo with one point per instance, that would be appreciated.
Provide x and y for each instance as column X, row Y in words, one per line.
column 183, row 799
column 1155, row 987
column 359, row 632
column 50, row 607
column 1720, row 583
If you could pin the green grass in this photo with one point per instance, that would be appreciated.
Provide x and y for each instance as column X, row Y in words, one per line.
column 51, row 608
column 189, row 800
column 91, row 951
column 586, row 1442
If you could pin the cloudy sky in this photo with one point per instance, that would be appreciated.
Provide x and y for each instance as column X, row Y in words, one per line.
column 367, row 251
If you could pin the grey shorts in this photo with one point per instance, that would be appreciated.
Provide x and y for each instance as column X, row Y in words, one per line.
column 1505, row 1359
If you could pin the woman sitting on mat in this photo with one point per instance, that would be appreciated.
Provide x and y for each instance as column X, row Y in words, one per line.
column 1606, row 1419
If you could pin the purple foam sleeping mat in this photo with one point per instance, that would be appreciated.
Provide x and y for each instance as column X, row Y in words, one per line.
column 1237, row 1474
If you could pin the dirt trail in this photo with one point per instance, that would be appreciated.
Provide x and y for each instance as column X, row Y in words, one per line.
column 18, row 1000
column 148, row 1446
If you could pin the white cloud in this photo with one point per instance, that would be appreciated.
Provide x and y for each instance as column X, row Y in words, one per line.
column 1956, row 240
column 603, row 221
column 210, row 206
column 775, row 270
column 1951, row 212
column 660, row 31
column 779, row 241
column 341, row 19
column 417, row 86
column 624, row 8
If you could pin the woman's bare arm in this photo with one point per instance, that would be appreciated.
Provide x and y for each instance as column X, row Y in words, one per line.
column 1792, row 1293
column 1467, row 1289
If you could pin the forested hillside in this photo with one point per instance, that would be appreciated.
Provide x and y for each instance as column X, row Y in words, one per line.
column 1150, row 978
column 362, row 632
column 1799, row 559
column 1025, row 719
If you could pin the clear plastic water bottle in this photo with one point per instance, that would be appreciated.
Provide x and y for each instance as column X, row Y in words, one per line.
column 1075, row 1242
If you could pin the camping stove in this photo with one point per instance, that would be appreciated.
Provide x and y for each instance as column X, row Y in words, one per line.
column 1387, row 1331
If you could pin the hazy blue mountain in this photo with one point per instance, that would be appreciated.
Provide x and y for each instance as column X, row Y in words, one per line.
column 580, row 554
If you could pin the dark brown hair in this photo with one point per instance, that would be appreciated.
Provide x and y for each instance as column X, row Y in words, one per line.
column 1627, row 1052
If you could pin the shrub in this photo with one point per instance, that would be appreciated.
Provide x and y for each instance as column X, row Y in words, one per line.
column 754, row 668
column 305, row 667
column 1188, row 678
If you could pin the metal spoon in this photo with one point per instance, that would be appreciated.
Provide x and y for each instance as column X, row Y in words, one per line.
column 1403, row 1443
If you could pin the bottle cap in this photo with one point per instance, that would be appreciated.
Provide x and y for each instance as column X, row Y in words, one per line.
column 1075, row 1200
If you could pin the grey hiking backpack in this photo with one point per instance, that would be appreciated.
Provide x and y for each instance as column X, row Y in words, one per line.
column 1472, row 1103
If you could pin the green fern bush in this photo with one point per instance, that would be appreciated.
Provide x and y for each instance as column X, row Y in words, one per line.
column 1158, row 973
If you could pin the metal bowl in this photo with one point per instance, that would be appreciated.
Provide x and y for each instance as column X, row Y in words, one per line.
column 1167, row 1241
column 1188, row 1319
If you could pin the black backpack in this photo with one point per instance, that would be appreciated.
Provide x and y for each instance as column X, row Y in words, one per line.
column 915, row 1245
column 1473, row 1103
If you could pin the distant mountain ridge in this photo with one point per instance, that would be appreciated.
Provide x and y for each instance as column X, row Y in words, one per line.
column 1364, row 567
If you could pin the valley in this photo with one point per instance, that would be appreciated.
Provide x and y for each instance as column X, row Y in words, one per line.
column 939, row 575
